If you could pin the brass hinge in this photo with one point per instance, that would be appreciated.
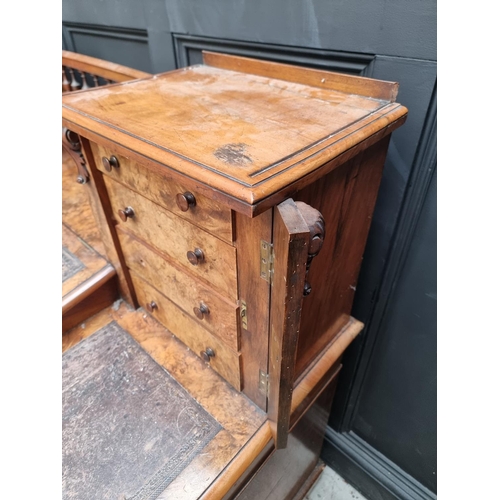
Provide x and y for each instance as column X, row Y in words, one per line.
column 263, row 383
column 243, row 314
column 266, row 261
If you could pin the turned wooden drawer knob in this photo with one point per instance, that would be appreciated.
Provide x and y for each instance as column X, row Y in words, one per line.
column 110, row 163
column 185, row 201
column 207, row 354
column 196, row 257
column 151, row 306
column 126, row 213
column 202, row 311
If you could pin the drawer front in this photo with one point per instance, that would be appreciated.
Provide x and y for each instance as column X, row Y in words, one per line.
column 216, row 314
column 198, row 209
column 225, row 361
column 214, row 261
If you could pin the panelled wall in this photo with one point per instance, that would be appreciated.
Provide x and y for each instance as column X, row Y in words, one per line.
column 382, row 434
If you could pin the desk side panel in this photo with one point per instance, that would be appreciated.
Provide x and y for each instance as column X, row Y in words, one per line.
column 346, row 198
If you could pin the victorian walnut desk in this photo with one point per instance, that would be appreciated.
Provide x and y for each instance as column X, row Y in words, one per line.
column 234, row 200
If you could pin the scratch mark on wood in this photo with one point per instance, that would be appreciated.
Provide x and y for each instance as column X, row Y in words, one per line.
column 234, row 154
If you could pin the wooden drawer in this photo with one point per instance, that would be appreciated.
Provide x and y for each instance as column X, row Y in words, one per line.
column 205, row 213
column 185, row 291
column 225, row 361
column 175, row 237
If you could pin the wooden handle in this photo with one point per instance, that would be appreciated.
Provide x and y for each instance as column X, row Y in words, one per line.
column 196, row 257
column 316, row 224
column 71, row 143
column 202, row 311
column 207, row 354
column 126, row 213
column 185, row 201
column 151, row 306
column 110, row 163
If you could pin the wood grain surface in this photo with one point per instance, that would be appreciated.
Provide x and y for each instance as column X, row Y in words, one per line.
column 325, row 361
column 101, row 207
column 207, row 213
column 346, row 198
column 255, row 292
column 212, row 460
column 91, row 260
column 245, row 136
column 89, row 296
column 96, row 294
column 77, row 213
column 182, row 289
column 225, row 361
column 100, row 67
column 239, row 136
column 291, row 236
column 175, row 237
column 368, row 87
column 241, row 464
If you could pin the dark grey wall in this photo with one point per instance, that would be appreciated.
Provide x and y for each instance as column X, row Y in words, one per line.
column 382, row 435
column 128, row 46
column 393, row 410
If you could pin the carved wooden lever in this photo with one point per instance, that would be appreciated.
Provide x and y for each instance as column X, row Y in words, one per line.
column 316, row 224
column 72, row 145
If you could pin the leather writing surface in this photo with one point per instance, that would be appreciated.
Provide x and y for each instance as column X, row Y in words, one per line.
column 128, row 427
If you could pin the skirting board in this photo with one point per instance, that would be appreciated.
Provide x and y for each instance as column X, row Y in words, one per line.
column 368, row 470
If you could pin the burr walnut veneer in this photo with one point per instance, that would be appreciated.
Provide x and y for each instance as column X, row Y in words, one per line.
column 234, row 200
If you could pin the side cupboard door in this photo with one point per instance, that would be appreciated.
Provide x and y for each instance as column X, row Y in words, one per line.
column 298, row 233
